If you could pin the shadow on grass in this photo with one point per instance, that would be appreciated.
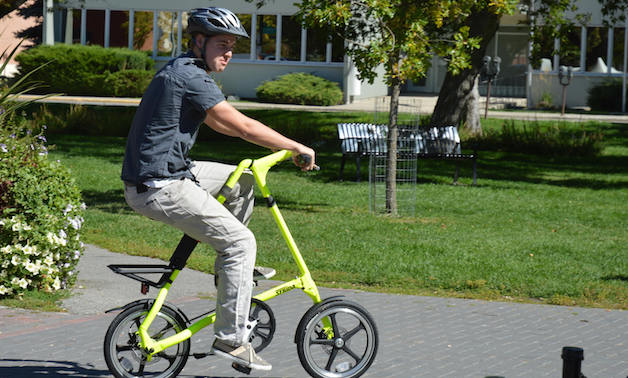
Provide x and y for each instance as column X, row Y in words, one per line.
column 110, row 201
column 616, row 277
column 493, row 165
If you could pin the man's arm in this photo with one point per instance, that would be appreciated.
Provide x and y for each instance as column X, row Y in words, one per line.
column 226, row 119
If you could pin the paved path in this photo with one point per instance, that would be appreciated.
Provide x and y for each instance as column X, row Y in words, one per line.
column 419, row 336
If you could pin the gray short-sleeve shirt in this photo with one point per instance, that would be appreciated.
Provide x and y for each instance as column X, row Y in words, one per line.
column 167, row 121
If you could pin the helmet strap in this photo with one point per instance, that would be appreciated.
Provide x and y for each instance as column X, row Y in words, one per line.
column 203, row 48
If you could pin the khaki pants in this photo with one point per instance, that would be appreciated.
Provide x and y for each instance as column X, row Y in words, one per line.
column 193, row 209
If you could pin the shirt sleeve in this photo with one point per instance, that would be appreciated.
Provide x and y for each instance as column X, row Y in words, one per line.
column 203, row 93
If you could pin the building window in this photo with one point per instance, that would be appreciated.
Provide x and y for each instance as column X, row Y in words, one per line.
column 597, row 44
column 316, row 45
column 337, row 48
column 266, row 37
column 242, row 48
column 618, row 48
column 290, row 38
column 569, row 52
column 543, row 53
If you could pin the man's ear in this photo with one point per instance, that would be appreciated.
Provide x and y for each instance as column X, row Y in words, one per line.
column 198, row 41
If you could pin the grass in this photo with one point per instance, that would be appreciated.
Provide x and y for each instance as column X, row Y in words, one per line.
column 535, row 229
column 39, row 301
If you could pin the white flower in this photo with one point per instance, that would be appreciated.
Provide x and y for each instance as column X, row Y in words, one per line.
column 62, row 238
column 28, row 250
column 48, row 260
column 22, row 283
column 15, row 260
column 3, row 274
column 76, row 222
column 5, row 290
column 83, row 206
column 57, row 284
column 33, row 268
column 77, row 254
column 15, row 281
column 5, row 264
column 68, row 208
column 51, row 238
column 26, row 227
column 2, row 222
column 6, row 250
column 16, row 227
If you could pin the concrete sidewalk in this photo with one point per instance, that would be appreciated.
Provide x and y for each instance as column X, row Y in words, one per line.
column 419, row 336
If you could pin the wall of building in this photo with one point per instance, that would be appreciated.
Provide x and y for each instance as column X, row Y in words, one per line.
column 9, row 25
column 547, row 83
column 242, row 78
column 244, row 74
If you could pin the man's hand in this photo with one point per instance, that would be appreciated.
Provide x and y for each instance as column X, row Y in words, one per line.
column 303, row 164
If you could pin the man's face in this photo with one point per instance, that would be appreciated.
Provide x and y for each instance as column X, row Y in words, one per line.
column 218, row 51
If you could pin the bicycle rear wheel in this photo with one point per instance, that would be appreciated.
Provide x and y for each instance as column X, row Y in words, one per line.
column 346, row 350
column 126, row 359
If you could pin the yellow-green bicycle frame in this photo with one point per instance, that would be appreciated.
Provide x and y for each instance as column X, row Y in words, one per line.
column 304, row 281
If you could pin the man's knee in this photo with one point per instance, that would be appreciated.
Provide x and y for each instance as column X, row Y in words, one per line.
column 242, row 243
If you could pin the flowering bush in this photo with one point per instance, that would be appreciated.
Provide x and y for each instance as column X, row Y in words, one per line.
column 40, row 214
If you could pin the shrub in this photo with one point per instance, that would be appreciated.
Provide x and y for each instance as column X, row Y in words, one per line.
column 40, row 216
column 83, row 119
column 531, row 138
column 300, row 88
column 605, row 96
column 127, row 83
column 78, row 69
column 40, row 207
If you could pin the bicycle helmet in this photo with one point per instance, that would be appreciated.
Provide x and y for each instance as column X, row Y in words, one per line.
column 212, row 21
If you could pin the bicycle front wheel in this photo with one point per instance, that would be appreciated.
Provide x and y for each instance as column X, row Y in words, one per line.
column 126, row 359
column 346, row 348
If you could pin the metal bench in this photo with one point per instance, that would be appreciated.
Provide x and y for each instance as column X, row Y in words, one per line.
column 364, row 139
column 359, row 140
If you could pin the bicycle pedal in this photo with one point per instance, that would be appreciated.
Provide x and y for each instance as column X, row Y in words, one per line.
column 198, row 356
column 241, row 369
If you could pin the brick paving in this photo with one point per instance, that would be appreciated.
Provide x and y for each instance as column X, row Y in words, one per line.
column 419, row 336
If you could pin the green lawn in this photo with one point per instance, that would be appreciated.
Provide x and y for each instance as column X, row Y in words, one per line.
column 542, row 229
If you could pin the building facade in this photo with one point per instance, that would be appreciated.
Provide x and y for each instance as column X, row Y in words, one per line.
column 279, row 45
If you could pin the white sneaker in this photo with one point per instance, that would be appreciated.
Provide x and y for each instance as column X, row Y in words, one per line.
column 263, row 273
column 243, row 355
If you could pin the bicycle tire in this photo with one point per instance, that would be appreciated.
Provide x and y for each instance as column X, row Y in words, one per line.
column 126, row 359
column 349, row 353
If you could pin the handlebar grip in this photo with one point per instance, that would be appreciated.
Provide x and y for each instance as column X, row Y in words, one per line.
column 306, row 160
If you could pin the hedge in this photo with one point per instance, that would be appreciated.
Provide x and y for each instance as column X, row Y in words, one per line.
column 300, row 88
column 86, row 70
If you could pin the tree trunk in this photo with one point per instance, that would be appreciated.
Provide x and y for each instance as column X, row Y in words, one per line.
column 457, row 88
column 391, row 164
column 472, row 110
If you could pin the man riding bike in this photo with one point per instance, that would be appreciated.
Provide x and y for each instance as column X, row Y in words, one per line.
column 162, row 183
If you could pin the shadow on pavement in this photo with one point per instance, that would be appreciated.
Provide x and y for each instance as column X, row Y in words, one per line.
column 36, row 368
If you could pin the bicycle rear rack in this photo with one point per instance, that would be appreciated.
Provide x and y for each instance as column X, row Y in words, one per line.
column 134, row 270
column 177, row 262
